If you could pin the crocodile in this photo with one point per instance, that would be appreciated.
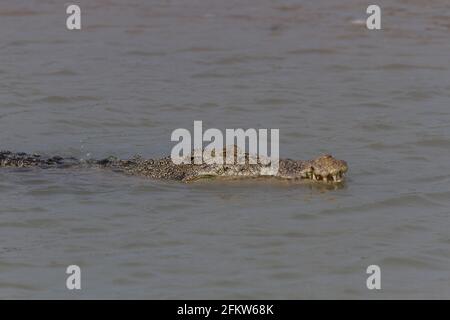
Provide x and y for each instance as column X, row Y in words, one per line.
column 323, row 169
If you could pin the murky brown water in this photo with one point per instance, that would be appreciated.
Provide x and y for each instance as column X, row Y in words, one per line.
column 140, row 69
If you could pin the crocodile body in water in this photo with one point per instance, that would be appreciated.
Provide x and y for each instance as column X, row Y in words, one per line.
column 324, row 169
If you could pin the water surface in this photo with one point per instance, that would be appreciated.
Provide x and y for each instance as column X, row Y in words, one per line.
column 140, row 69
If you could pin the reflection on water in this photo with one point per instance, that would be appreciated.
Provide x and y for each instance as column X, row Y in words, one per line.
column 138, row 70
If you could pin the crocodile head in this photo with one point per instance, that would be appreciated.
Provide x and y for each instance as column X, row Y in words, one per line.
column 324, row 169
